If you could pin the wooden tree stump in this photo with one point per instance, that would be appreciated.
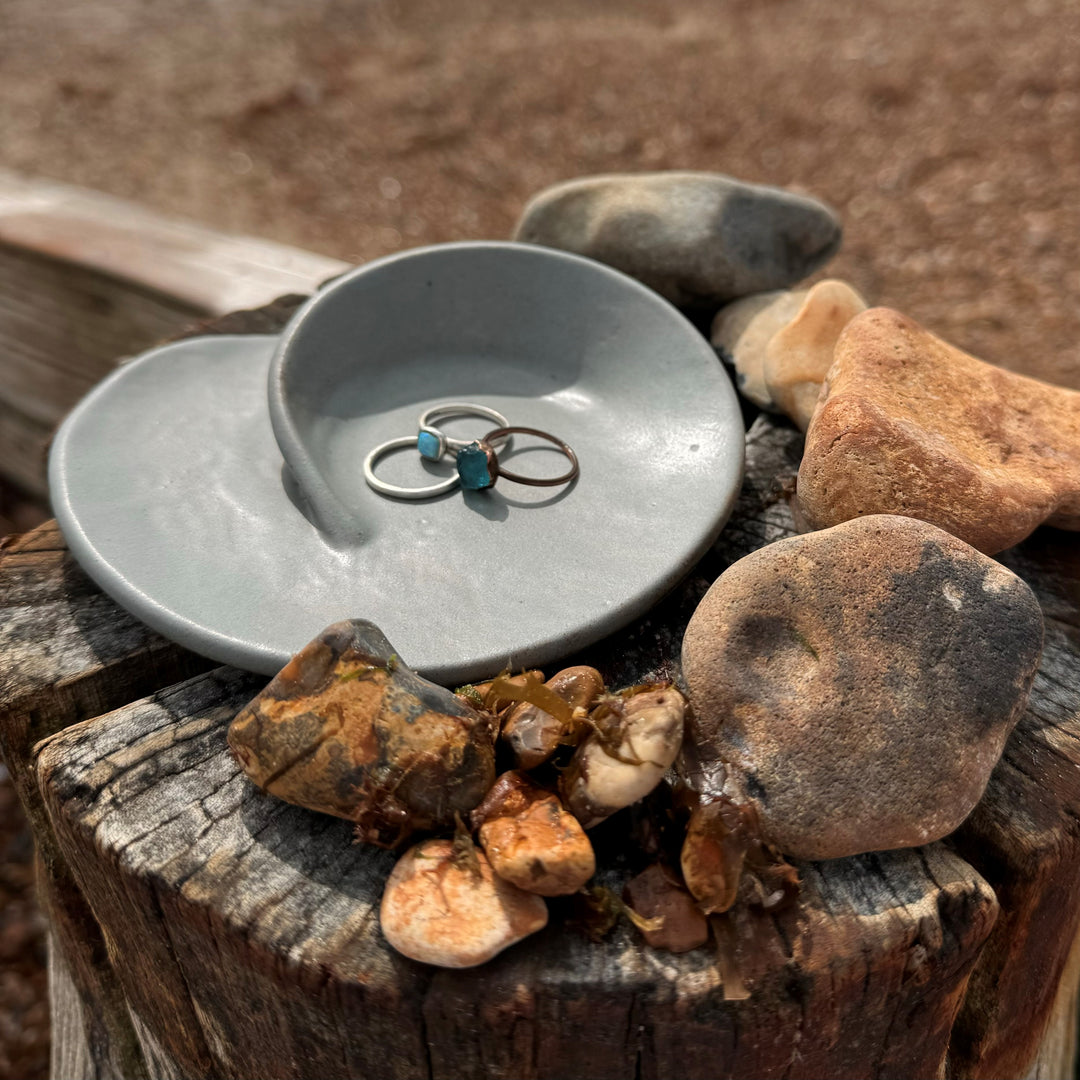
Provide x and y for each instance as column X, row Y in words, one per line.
column 203, row 929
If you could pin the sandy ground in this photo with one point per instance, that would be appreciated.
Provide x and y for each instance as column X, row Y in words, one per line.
column 946, row 134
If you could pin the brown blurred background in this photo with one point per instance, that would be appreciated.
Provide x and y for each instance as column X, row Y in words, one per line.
column 947, row 135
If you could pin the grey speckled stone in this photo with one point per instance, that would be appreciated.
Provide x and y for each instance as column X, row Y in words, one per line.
column 699, row 239
column 862, row 681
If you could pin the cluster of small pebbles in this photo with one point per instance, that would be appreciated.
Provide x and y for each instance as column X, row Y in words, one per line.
column 845, row 690
column 346, row 728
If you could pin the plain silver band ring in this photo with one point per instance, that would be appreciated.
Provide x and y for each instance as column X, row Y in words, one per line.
column 459, row 408
column 393, row 490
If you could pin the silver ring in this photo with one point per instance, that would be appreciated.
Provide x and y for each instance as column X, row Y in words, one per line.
column 393, row 490
column 434, row 444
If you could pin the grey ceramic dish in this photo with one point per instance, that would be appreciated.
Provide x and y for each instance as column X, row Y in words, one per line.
column 241, row 530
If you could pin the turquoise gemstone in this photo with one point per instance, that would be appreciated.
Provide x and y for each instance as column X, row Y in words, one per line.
column 429, row 446
column 474, row 469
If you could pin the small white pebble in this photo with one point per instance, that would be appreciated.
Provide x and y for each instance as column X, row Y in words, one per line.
column 451, row 914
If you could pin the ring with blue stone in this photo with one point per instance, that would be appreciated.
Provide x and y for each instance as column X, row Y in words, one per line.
column 478, row 464
column 434, row 444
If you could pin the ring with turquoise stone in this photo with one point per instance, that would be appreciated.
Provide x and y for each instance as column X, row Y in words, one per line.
column 434, row 444
column 478, row 464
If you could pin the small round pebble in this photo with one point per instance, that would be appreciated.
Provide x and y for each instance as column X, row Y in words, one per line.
column 454, row 912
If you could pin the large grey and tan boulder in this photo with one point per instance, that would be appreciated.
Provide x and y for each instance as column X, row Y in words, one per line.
column 909, row 424
column 860, row 682
column 700, row 239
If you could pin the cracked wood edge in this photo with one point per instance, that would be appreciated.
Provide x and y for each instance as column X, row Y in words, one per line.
column 211, row 894
column 1023, row 837
column 70, row 653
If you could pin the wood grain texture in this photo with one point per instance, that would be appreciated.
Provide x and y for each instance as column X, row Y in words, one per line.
column 86, row 280
column 1024, row 836
column 200, row 268
column 232, row 896
column 70, row 653
column 209, row 893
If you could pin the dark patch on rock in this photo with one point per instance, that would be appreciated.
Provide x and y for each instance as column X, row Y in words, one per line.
column 865, row 677
column 699, row 239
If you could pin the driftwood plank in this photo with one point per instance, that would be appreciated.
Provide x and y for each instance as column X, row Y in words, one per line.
column 86, row 279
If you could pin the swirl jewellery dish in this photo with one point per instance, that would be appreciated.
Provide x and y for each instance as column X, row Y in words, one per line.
column 237, row 521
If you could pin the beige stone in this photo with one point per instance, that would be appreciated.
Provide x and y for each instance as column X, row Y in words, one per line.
column 860, row 682
column 782, row 343
column 530, row 840
column 908, row 424
column 443, row 909
column 637, row 740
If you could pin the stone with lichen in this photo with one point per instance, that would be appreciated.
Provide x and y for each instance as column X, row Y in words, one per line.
column 346, row 728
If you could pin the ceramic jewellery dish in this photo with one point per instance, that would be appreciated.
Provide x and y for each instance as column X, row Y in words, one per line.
column 258, row 438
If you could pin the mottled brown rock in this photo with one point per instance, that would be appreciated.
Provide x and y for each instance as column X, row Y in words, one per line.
column 533, row 734
column 530, row 840
column 347, row 729
column 635, row 742
column 452, row 911
column 861, row 682
column 782, row 344
column 908, row 424
column 698, row 238
column 657, row 894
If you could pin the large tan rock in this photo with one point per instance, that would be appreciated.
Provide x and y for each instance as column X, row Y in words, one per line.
column 782, row 343
column 860, row 682
column 908, row 424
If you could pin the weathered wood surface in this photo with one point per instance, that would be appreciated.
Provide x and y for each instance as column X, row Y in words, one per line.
column 86, row 279
column 233, row 896
column 209, row 930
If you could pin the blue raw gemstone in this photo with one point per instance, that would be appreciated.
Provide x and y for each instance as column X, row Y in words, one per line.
column 428, row 445
column 473, row 468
